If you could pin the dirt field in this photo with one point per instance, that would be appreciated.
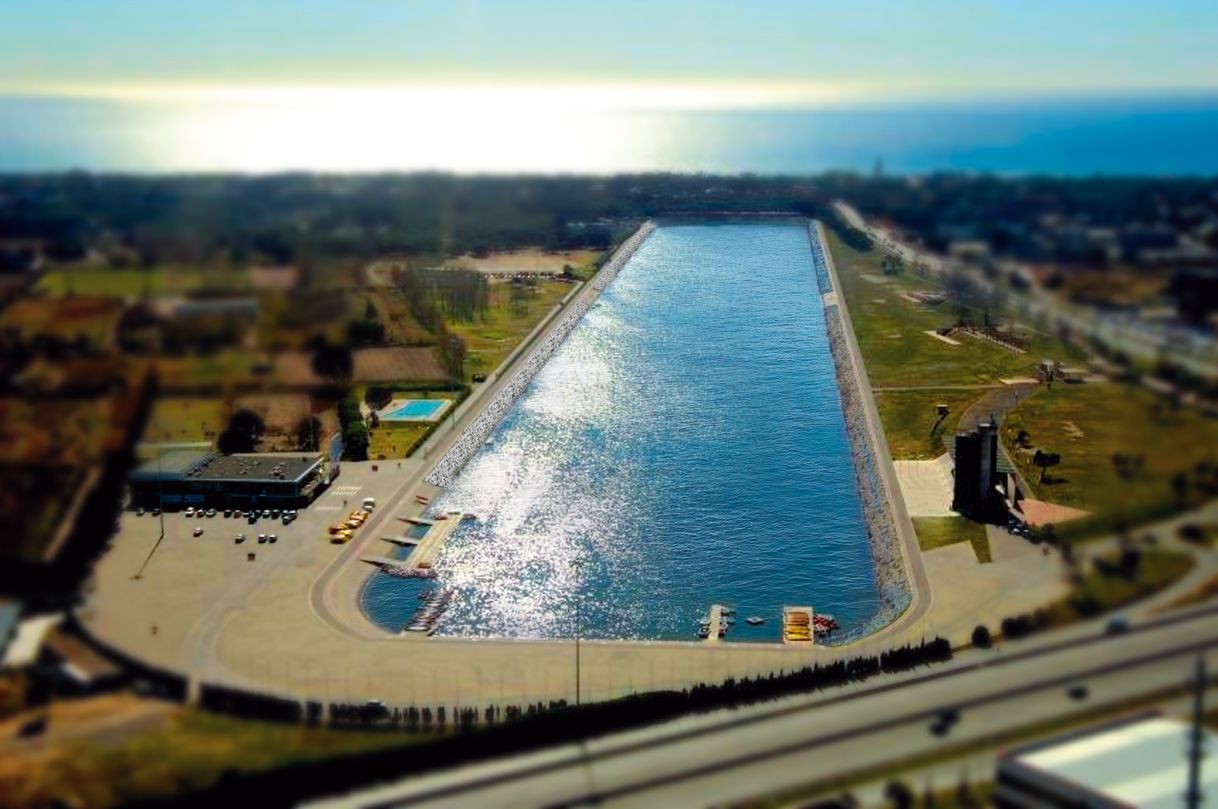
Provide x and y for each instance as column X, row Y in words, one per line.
column 373, row 365
column 93, row 319
column 397, row 364
column 528, row 260
column 280, row 412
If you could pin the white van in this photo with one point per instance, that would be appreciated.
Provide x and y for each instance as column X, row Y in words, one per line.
column 369, row 503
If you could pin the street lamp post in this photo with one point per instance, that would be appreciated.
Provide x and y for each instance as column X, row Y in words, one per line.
column 579, row 622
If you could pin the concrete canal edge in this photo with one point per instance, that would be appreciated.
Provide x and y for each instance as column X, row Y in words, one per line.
column 476, row 433
column 905, row 593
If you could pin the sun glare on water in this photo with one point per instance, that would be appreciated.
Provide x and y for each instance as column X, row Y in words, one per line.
column 497, row 129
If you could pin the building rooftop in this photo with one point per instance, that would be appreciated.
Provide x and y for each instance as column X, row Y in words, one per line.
column 268, row 466
column 172, row 465
column 1140, row 762
column 207, row 465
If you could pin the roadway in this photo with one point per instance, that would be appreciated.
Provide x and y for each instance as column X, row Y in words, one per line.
column 729, row 756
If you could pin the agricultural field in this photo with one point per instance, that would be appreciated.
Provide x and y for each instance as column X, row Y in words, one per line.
column 138, row 283
column 530, row 260
column 221, row 369
column 1121, row 447
column 184, row 420
column 92, row 320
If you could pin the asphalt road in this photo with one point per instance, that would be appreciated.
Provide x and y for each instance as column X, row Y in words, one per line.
column 730, row 756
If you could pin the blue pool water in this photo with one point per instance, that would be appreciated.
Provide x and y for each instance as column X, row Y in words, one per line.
column 416, row 410
column 684, row 446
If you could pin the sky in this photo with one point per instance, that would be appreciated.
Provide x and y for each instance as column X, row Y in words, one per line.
column 704, row 52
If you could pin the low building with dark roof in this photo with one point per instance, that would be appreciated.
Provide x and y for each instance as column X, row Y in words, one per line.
column 182, row 478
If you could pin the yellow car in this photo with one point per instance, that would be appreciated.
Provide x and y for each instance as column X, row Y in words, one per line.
column 341, row 538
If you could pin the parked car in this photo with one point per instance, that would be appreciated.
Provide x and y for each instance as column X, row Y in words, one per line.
column 1077, row 692
column 139, row 512
column 198, row 530
column 272, row 538
column 211, row 512
column 287, row 518
column 266, row 513
column 1117, row 625
column 190, row 511
column 228, row 512
column 239, row 539
column 262, row 539
column 156, row 512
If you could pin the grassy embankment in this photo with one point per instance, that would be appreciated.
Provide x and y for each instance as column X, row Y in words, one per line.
column 1099, row 591
column 938, row 532
column 1089, row 425
column 899, row 354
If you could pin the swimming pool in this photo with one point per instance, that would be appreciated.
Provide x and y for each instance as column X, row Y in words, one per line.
column 414, row 409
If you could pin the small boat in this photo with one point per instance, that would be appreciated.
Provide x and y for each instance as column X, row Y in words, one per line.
column 727, row 610
column 755, row 620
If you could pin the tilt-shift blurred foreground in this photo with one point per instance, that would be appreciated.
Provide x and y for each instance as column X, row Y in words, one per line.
column 537, row 404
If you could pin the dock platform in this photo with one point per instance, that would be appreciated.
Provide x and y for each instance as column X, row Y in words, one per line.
column 405, row 542
column 430, row 545
column 797, row 626
column 418, row 521
column 713, row 621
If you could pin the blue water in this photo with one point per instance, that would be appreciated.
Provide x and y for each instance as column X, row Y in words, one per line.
column 416, row 410
column 1169, row 134
column 684, row 446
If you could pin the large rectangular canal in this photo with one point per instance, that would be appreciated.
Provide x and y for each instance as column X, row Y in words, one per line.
column 685, row 446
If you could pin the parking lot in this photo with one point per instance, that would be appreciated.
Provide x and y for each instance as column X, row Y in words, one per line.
column 161, row 599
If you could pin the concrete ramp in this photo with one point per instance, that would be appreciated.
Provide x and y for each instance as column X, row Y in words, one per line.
column 926, row 486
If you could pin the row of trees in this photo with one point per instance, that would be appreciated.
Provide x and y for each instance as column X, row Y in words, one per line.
column 417, row 291
column 354, row 431
column 514, row 729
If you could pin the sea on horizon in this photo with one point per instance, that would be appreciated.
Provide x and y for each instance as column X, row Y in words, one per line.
column 1169, row 136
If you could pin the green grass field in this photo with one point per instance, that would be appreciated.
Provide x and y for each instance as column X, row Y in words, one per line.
column 1087, row 425
column 938, row 532
column 489, row 341
column 396, row 439
column 898, row 353
column 890, row 331
column 909, row 415
column 1103, row 592
column 135, row 283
